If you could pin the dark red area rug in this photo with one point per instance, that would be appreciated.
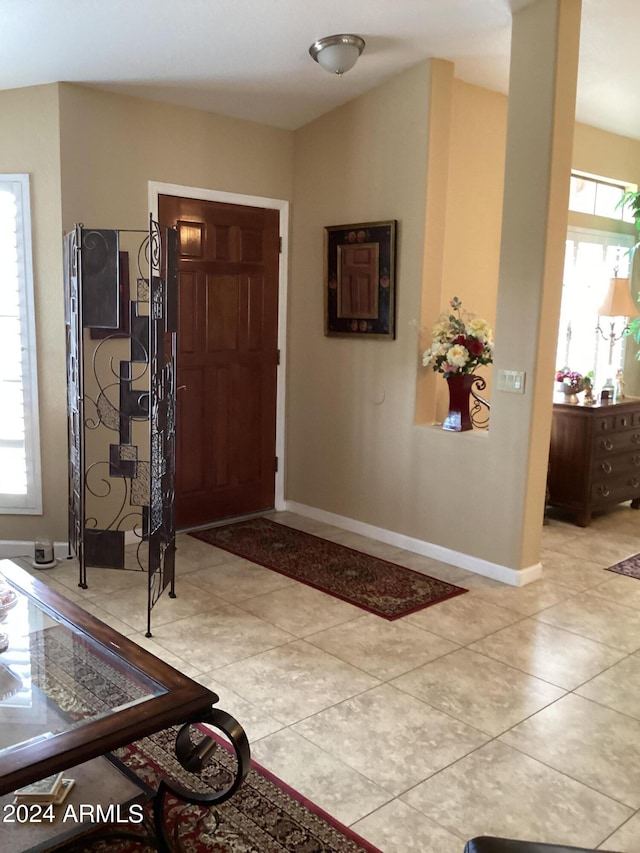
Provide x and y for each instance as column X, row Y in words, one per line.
column 376, row 585
column 629, row 567
column 263, row 816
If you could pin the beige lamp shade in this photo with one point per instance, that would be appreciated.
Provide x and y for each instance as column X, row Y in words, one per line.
column 618, row 302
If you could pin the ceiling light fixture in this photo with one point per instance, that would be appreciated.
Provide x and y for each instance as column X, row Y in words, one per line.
column 337, row 54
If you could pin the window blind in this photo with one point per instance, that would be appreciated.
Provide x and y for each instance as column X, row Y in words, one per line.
column 20, row 485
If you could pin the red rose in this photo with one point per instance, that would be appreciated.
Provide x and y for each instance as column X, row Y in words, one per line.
column 474, row 346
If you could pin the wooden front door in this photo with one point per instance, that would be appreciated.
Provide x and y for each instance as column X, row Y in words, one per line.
column 227, row 357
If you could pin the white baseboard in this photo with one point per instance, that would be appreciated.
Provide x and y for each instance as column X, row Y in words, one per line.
column 514, row 577
column 26, row 548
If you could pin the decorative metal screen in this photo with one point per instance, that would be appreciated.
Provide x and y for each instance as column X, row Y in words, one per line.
column 121, row 349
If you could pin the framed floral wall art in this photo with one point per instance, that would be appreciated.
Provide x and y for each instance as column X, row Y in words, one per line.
column 360, row 279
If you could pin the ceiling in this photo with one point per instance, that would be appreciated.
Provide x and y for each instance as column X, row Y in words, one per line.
column 249, row 58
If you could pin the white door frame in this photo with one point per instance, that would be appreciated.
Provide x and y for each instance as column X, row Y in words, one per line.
column 156, row 188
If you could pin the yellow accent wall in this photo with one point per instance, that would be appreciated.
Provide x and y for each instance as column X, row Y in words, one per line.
column 474, row 208
column 441, row 173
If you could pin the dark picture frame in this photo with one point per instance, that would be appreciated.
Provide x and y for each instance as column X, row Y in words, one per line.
column 360, row 286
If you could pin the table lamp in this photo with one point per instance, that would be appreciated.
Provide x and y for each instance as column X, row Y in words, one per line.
column 618, row 302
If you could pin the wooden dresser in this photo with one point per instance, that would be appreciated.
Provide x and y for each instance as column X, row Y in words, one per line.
column 594, row 457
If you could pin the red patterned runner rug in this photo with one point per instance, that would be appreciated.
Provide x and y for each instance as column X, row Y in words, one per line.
column 264, row 816
column 376, row 585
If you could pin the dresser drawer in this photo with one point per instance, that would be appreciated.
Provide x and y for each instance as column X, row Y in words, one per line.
column 604, row 423
column 616, row 442
column 607, row 422
column 624, row 487
column 612, row 466
column 626, row 420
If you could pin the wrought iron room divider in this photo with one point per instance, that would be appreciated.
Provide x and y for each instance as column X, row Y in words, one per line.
column 121, row 351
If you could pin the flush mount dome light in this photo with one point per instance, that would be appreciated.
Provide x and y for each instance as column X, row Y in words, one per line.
column 338, row 53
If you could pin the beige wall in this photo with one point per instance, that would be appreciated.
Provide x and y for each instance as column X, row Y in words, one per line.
column 353, row 447
column 90, row 155
column 30, row 143
column 350, row 401
column 112, row 145
column 606, row 154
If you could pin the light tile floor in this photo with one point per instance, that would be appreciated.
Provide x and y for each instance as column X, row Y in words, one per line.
column 503, row 711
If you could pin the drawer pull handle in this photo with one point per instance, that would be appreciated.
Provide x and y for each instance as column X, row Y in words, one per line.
column 607, row 467
column 634, row 482
column 636, row 438
column 635, row 459
column 607, row 444
column 603, row 491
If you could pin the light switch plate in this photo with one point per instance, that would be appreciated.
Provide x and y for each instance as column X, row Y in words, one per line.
column 512, row 381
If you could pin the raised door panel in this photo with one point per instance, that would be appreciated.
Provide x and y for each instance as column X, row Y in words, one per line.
column 191, row 413
column 223, row 313
column 228, row 266
column 220, row 458
column 190, row 313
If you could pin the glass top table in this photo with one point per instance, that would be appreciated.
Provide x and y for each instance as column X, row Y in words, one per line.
column 72, row 688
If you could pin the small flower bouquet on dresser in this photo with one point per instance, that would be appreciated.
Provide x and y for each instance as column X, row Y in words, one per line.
column 572, row 383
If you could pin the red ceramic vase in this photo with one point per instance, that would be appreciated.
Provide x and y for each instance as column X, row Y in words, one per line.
column 458, row 417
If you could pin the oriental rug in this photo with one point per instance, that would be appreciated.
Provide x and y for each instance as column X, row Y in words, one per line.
column 263, row 816
column 629, row 567
column 376, row 585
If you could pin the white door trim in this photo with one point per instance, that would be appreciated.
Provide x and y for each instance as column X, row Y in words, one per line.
column 156, row 188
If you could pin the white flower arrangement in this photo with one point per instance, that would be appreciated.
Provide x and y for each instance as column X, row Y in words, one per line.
column 461, row 342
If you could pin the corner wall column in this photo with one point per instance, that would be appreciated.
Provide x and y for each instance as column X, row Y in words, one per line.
column 541, row 118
